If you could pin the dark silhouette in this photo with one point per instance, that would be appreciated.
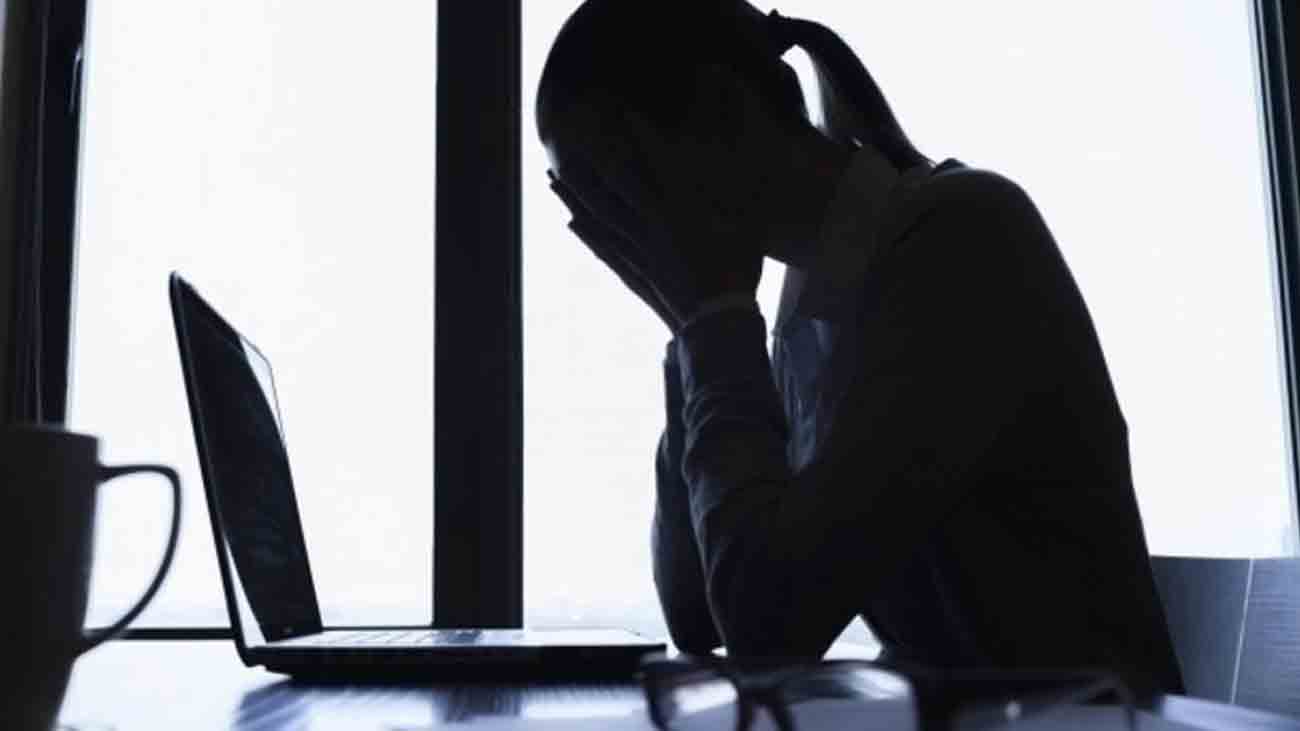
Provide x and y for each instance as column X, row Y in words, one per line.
column 934, row 444
column 248, row 466
column 49, row 487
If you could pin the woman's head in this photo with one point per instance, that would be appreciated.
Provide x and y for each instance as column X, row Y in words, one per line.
column 711, row 70
column 644, row 57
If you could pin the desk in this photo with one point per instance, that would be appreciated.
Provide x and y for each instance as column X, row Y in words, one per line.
column 143, row 685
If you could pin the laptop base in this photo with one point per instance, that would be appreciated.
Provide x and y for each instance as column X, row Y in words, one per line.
column 448, row 665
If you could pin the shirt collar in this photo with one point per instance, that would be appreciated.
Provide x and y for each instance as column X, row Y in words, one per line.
column 847, row 240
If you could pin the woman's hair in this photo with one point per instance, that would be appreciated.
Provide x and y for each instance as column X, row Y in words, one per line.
column 642, row 55
column 854, row 109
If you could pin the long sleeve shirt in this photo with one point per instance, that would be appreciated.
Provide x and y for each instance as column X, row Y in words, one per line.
column 934, row 445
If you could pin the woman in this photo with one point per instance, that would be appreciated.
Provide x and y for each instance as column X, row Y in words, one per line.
column 934, row 444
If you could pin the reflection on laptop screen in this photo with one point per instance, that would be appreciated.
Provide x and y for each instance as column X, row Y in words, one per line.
column 247, row 473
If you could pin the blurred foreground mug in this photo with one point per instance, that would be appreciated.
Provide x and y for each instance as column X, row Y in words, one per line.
column 48, row 484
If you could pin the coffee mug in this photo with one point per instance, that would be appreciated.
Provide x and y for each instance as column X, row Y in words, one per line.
column 48, row 484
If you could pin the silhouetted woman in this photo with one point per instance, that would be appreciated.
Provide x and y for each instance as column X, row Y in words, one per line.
column 933, row 443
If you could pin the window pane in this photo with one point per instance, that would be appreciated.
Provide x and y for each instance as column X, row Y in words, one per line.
column 1144, row 154
column 593, row 403
column 281, row 157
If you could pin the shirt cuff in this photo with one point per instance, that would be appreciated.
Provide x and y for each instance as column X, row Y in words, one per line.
column 721, row 303
column 730, row 344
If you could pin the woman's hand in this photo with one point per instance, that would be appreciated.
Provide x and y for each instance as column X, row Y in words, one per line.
column 612, row 247
column 663, row 213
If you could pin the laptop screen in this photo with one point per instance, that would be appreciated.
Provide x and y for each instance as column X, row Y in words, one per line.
column 246, row 473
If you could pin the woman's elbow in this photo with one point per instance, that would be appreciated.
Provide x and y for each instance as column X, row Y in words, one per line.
column 693, row 638
column 759, row 613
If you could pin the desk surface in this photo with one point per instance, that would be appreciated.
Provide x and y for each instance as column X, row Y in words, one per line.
column 202, row 685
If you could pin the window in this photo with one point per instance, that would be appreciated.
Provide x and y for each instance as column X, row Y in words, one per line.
column 1134, row 126
column 593, row 403
column 281, row 156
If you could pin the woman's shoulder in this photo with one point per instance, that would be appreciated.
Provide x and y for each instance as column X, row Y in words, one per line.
column 962, row 210
column 955, row 181
column 954, row 189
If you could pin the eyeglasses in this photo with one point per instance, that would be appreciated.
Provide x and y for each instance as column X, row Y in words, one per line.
column 710, row 694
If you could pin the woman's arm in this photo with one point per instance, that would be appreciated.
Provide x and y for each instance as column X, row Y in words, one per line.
column 678, row 573
column 951, row 326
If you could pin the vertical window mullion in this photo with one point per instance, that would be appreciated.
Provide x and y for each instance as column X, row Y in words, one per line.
column 478, row 382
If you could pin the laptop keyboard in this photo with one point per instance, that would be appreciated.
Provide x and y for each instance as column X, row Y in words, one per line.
column 407, row 638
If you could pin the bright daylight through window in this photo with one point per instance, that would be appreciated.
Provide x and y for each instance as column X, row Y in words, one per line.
column 281, row 156
column 1134, row 125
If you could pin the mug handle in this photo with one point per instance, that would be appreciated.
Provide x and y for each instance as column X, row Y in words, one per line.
column 96, row 637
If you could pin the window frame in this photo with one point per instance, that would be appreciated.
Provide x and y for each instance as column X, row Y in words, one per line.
column 39, row 146
column 1277, row 47
column 478, row 376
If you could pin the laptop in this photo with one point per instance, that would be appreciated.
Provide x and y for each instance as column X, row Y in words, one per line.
column 265, row 572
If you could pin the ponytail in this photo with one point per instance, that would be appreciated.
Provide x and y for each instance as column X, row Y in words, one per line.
column 854, row 109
